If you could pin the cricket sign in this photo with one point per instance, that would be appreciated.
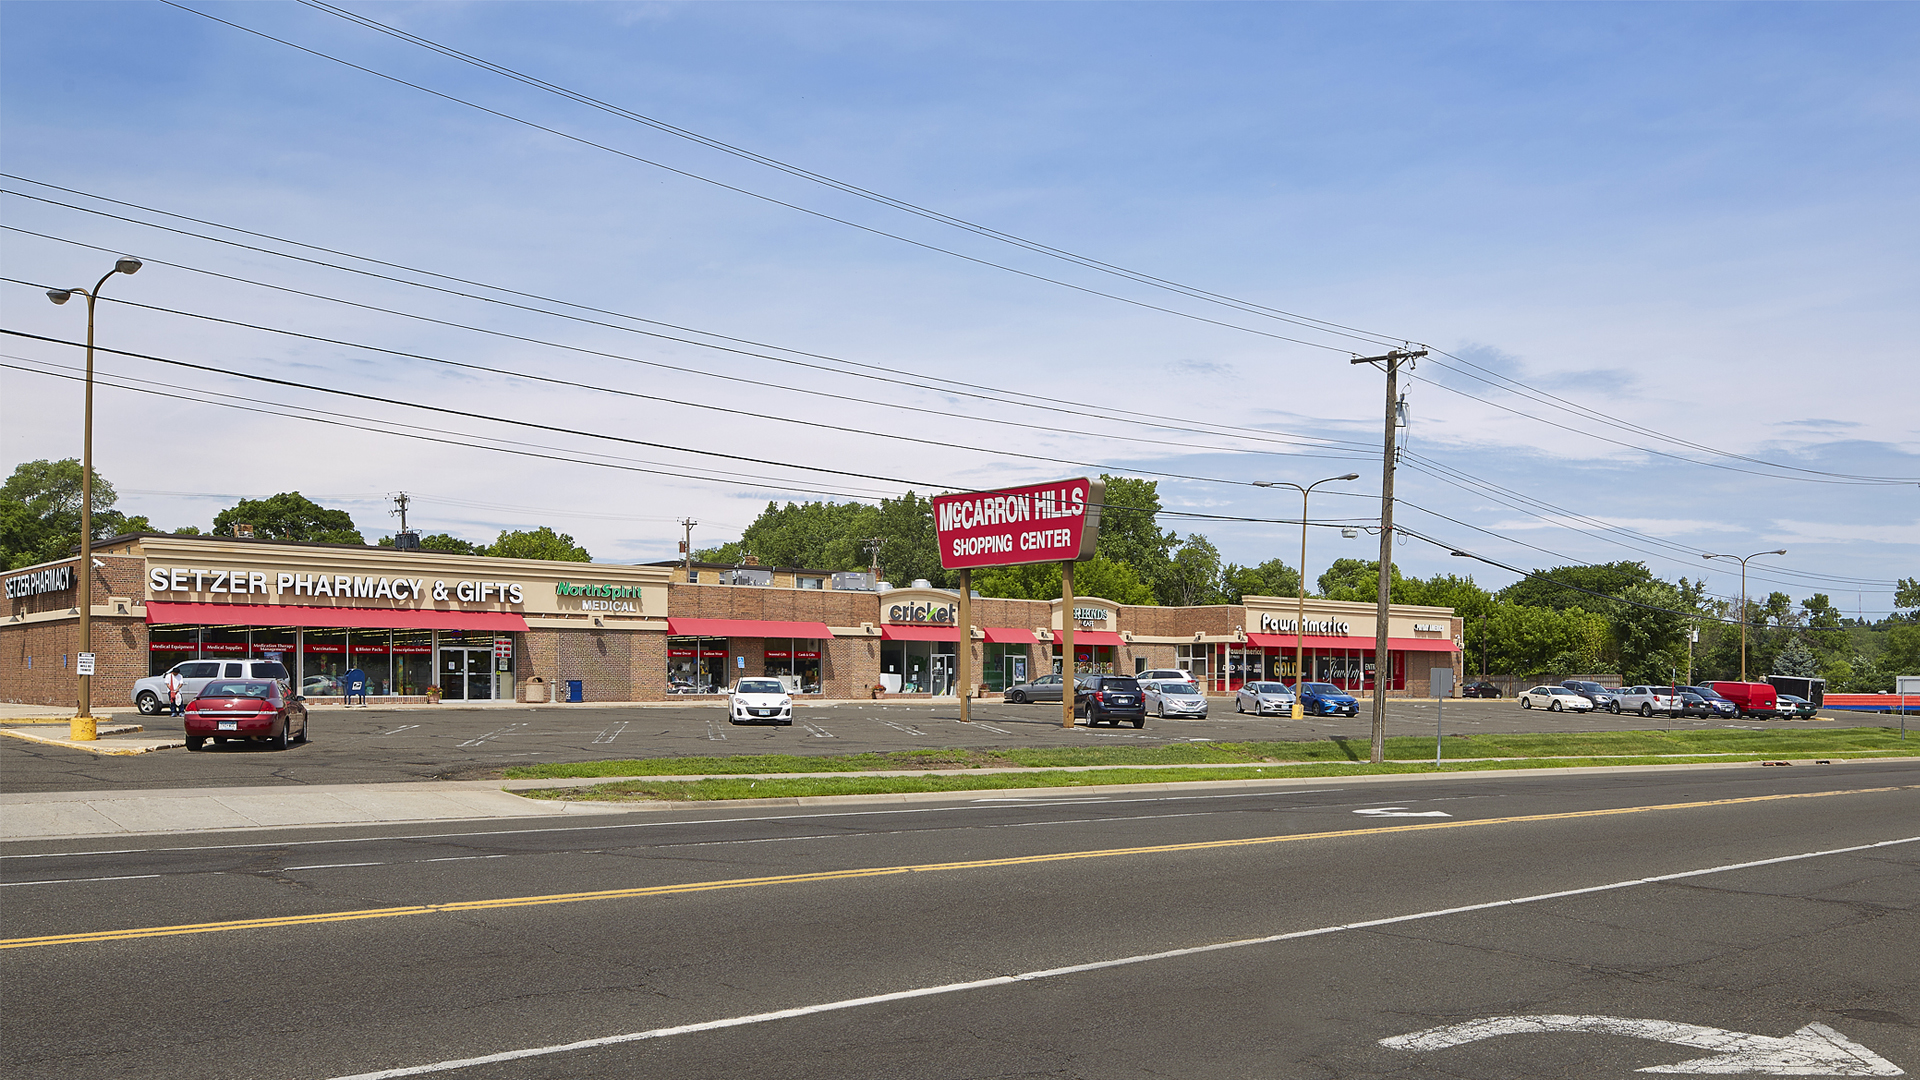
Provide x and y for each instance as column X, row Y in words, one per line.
column 1056, row 522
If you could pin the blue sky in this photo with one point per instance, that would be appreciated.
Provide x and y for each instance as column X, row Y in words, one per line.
column 1696, row 219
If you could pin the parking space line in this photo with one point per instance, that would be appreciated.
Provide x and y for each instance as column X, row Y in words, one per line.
column 816, row 731
column 714, row 734
column 610, row 734
column 401, row 728
column 494, row 734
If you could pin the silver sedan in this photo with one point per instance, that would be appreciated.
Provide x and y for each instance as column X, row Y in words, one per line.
column 1175, row 697
column 1264, row 699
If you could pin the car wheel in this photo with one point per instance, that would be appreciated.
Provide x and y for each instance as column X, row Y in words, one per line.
column 1646, row 709
column 194, row 742
column 149, row 703
column 1015, row 697
column 1140, row 723
column 304, row 721
column 1526, row 703
column 284, row 739
column 1554, row 705
column 1614, row 708
column 1238, row 707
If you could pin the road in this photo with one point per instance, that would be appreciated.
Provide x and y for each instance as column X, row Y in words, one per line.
column 375, row 745
column 1188, row 935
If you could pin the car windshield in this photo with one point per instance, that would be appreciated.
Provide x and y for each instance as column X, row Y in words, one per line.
column 759, row 686
column 1267, row 687
column 1321, row 688
column 1562, row 691
column 238, row 689
column 1179, row 689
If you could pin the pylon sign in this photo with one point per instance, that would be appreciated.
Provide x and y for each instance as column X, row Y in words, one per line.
column 1053, row 522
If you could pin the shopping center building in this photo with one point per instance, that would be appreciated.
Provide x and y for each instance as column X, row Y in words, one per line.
column 469, row 628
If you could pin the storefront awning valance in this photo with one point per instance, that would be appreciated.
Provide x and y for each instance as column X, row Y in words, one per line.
column 1090, row 637
column 1010, row 635
column 1424, row 644
column 890, row 632
column 747, row 628
column 1399, row 644
column 164, row 612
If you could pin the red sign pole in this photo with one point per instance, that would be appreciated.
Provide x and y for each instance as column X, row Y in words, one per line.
column 1066, row 645
column 965, row 659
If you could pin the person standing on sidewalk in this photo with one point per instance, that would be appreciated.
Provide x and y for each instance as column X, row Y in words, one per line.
column 173, row 691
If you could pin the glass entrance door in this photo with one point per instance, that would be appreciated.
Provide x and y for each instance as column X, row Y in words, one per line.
column 943, row 673
column 466, row 674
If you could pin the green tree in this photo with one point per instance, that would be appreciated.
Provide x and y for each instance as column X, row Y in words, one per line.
column 1907, row 595
column 540, row 543
column 1098, row 576
column 1130, row 530
column 1902, row 654
column 1796, row 659
column 1545, row 588
column 1271, row 578
column 1359, row 581
column 1193, row 574
column 40, row 512
column 289, row 516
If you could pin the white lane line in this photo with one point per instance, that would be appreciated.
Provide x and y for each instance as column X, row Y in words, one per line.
column 990, row 727
column 401, row 728
column 79, row 880
column 1076, row 969
column 611, row 733
column 328, row 866
column 494, row 734
column 457, row 858
column 816, row 731
column 976, row 804
column 908, row 728
column 715, row 734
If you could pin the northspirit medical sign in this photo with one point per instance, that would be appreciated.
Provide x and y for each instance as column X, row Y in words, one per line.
column 1056, row 522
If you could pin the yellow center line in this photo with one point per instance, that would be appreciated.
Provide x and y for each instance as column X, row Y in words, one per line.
column 869, row 872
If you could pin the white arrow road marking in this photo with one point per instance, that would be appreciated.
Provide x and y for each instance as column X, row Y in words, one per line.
column 1814, row 1050
column 1401, row 811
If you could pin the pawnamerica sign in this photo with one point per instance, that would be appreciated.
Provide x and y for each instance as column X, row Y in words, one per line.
column 1056, row 522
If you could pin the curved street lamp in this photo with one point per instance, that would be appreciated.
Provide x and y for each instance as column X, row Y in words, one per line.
column 1300, row 616
column 1743, row 599
column 84, row 728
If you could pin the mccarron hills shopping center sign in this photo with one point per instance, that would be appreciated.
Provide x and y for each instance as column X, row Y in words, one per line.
column 1053, row 522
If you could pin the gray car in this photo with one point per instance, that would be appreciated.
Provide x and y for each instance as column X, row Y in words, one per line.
column 1175, row 697
column 1044, row 688
column 1264, row 699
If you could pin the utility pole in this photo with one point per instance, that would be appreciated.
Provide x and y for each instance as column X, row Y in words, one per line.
column 401, row 500
column 686, row 543
column 1382, row 663
column 872, row 544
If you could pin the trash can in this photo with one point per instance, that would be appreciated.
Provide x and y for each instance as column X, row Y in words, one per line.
column 536, row 690
column 574, row 692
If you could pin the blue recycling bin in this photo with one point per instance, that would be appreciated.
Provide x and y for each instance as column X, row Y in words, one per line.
column 574, row 691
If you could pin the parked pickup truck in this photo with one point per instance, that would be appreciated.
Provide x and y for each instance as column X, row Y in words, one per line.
column 1647, row 700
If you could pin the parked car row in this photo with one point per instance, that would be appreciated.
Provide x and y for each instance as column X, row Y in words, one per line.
column 1722, row 700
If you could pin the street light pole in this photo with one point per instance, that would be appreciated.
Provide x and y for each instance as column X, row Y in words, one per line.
column 1743, row 599
column 83, row 727
column 1300, row 615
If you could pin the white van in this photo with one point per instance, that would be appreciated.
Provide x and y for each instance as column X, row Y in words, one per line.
column 150, row 693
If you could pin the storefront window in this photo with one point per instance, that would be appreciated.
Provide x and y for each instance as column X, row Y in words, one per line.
column 1193, row 658
column 323, row 661
column 696, row 665
column 1004, row 666
column 795, row 662
column 168, row 645
column 278, row 643
column 371, row 653
column 224, row 643
column 412, row 654
column 1087, row 659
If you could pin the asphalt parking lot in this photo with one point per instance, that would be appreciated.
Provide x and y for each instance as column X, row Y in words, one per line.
column 372, row 745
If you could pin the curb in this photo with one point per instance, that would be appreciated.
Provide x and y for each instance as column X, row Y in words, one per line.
column 95, row 746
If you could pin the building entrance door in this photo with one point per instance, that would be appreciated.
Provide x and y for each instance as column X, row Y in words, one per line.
column 466, row 674
column 942, row 673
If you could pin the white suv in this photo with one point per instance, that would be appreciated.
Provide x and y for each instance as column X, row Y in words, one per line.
column 1164, row 675
column 150, row 693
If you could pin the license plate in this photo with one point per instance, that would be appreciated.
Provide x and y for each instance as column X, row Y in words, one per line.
column 229, row 725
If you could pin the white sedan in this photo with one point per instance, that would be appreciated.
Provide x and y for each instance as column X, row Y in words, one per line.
column 1555, row 699
column 1264, row 699
column 1175, row 697
column 759, row 701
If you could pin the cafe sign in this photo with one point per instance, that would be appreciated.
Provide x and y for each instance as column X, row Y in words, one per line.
column 1053, row 522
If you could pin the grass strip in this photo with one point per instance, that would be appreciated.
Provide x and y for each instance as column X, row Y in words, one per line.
column 725, row 788
column 1409, row 749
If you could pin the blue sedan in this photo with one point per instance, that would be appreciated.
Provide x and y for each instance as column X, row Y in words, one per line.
column 1326, row 699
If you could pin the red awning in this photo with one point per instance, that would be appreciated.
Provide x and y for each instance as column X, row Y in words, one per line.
column 1399, row 644
column 170, row 612
column 1423, row 644
column 891, row 632
column 1010, row 635
column 747, row 628
column 1090, row 637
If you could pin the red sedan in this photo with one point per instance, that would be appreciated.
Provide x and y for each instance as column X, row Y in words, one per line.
column 259, row 709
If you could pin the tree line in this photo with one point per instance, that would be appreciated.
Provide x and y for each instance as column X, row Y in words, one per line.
column 40, row 521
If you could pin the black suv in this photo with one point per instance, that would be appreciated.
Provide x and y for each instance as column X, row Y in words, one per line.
column 1112, row 698
column 1601, row 697
column 1482, row 688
